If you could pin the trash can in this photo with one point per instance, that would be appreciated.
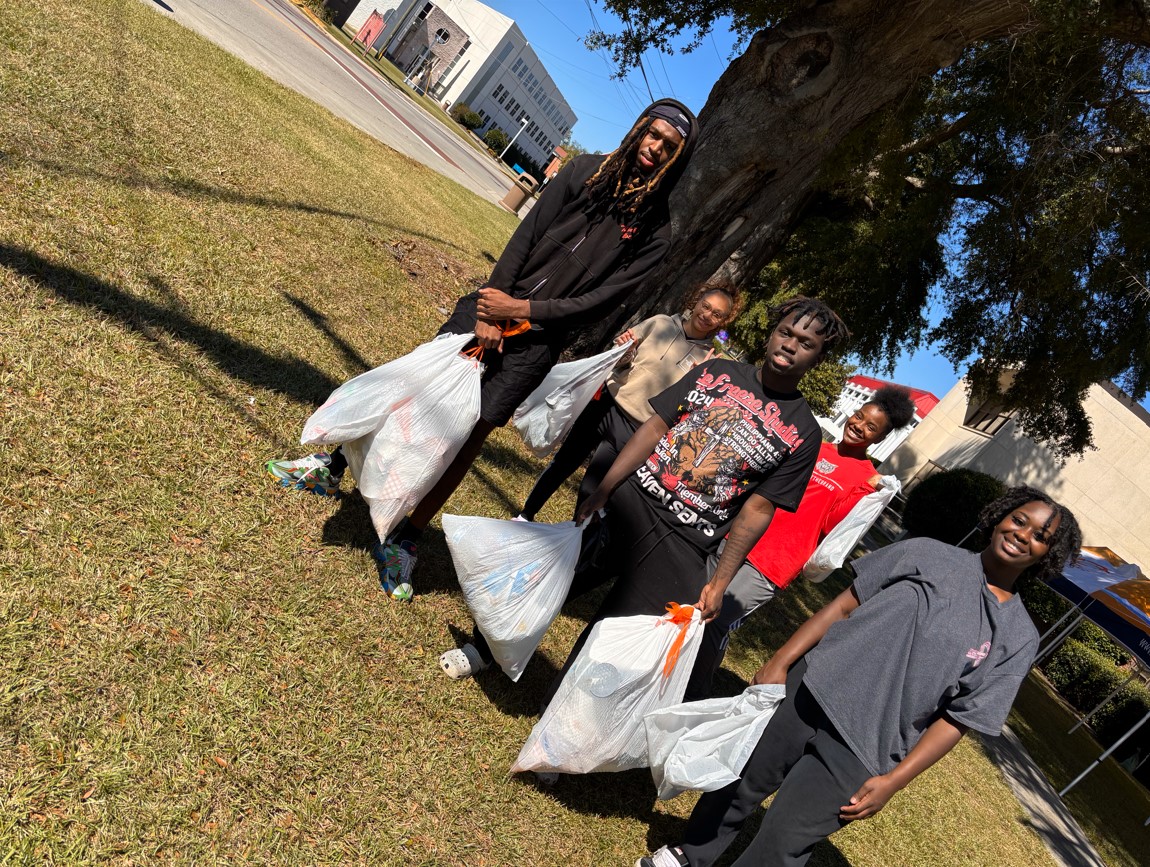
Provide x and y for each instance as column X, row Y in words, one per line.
column 519, row 193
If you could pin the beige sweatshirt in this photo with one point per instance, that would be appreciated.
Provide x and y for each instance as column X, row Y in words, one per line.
column 664, row 356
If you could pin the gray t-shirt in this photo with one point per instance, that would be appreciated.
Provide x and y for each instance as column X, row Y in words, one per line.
column 928, row 637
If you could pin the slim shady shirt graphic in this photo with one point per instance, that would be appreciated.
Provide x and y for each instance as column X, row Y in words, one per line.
column 729, row 438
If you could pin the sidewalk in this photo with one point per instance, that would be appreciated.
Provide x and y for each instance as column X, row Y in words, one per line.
column 1048, row 815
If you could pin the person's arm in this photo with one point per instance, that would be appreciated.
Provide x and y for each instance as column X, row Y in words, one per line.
column 805, row 637
column 938, row 740
column 637, row 333
column 747, row 528
column 633, row 455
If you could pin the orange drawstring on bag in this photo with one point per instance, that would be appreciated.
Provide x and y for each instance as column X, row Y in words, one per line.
column 510, row 329
column 475, row 352
column 681, row 616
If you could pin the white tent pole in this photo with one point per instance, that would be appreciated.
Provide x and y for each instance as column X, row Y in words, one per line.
column 1058, row 623
column 1104, row 701
column 1050, row 648
column 1102, row 757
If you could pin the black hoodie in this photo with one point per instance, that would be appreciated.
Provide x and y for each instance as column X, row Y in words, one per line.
column 573, row 262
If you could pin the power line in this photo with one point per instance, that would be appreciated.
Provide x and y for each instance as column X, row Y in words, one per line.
column 575, row 33
column 595, row 24
column 716, row 47
column 665, row 75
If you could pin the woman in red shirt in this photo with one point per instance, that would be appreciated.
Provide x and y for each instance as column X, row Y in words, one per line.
column 842, row 476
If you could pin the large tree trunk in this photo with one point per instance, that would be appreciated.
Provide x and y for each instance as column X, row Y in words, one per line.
column 779, row 111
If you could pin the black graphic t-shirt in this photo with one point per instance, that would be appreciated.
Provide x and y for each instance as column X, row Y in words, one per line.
column 729, row 438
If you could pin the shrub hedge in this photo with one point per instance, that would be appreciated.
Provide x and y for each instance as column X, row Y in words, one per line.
column 1084, row 677
column 945, row 506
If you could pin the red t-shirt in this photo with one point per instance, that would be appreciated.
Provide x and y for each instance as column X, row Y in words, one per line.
column 836, row 484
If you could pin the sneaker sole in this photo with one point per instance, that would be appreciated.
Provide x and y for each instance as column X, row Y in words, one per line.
column 297, row 486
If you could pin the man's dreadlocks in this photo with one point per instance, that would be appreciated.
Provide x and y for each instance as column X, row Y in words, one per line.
column 833, row 330
column 612, row 189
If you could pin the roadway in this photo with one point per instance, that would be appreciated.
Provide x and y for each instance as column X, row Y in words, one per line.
column 278, row 39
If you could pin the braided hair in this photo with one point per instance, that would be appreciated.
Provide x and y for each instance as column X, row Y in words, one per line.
column 613, row 188
column 1063, row 544
column 833, row 330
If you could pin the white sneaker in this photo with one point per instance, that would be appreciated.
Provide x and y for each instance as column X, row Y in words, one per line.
column 460, row 663
column 667, row 856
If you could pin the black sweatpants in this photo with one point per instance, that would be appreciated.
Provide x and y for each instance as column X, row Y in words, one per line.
column 652, row 560
column 801, row 757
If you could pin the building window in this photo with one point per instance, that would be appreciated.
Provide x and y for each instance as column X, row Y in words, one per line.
column 986, row 417
column 518, row 63
column 503, row 97
column 495, row 93
column 441, row 36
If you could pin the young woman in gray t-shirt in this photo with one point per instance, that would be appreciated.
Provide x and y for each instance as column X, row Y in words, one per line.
column 929, row 641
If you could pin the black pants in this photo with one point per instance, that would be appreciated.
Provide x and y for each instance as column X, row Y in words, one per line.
column 804, row 760
column 653, row 562
column 603, row 429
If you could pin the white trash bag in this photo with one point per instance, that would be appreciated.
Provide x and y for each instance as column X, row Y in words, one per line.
column 705, row 745
column 629, row 667
column 545, row 418
column 515, row 576
column 843, row 539
column 360, row 405
column 396, row 465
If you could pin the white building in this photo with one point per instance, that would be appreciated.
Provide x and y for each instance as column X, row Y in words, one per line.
column 467, row 52
column 857, row 391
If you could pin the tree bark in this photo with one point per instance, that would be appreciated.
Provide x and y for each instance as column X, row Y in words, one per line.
column 780, row 110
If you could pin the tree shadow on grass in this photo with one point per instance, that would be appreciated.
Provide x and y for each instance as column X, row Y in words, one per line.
column 289, row 376
column 319, row 320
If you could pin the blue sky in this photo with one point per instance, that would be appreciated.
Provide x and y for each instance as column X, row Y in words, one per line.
column 606, row 108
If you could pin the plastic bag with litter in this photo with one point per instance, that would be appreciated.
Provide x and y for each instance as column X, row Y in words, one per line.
column 705, row 745
column 629, row 667
column 515, row 576
column 545, row 418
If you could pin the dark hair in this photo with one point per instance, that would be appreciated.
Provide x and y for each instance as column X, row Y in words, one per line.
column 611, row 189
column 726, row 287
column 833, row 331
column 1063, row 545
column 894, row 402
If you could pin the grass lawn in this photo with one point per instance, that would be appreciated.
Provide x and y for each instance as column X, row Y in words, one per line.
column 196, row 667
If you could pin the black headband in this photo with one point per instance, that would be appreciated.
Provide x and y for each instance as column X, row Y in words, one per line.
column 673, row 116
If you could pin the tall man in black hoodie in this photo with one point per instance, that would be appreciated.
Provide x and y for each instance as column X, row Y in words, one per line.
column 597, row 232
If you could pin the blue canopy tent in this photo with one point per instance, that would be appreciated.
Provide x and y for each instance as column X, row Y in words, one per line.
column 1115, row 596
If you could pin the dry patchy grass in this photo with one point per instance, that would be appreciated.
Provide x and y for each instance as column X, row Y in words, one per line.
column 197, row 667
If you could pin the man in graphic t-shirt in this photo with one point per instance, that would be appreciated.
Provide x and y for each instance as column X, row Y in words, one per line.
column 728, row 444
column 842, row 476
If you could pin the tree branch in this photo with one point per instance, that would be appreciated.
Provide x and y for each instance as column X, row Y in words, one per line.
column 935, row 138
